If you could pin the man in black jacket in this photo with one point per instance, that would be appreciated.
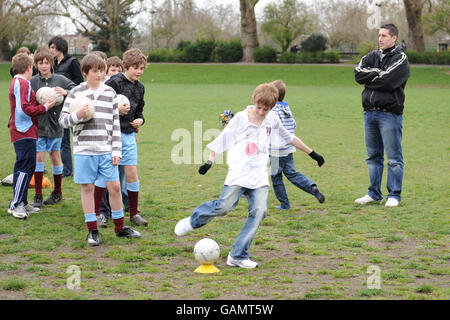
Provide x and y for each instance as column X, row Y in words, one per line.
column 69, row 67
column 384, row 73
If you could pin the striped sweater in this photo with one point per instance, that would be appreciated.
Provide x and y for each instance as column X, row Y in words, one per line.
column 101, row 134
column 282, row 110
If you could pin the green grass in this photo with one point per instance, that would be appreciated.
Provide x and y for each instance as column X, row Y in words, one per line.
column 312, row 251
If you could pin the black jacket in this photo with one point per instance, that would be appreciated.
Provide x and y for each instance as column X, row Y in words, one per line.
column 135, row 93
column 384, row 75
column 70, row 68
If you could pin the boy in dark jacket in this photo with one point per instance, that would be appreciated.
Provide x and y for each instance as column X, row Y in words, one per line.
column 50, row 132
column 384, row 73
column 128, row 84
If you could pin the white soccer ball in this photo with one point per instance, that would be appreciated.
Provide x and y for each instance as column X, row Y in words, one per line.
column 206, row 251
column 80, row 101
column 46, row 93
column 122, row 99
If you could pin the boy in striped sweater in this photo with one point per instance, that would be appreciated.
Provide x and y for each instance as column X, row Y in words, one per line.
column 97, row 146
column 282, row 160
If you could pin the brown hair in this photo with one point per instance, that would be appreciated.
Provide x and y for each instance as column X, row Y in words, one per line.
column 134, row 58
column 101, row 54
column 23, row 50
column 92, row 61
column 20, row 63
column 114, row 61
column 265, row 94
column 281, row 86
column 43, row 53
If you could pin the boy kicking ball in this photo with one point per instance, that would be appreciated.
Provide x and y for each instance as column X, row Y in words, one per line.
column 247, row 138
column 97, row 146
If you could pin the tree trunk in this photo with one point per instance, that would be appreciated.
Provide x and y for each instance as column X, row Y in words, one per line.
column 4, row 43
column 249, row 35
column 413, row 9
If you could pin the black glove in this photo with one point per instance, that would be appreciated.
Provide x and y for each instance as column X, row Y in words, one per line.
column 205, row 167
column 320, row 160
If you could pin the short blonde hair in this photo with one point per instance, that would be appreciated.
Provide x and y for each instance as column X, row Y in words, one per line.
column 134, row 58
column 21, row 62
column 265, row 94
column 281, row 86
column 92, row 61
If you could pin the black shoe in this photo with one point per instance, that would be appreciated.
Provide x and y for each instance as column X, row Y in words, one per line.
column 37, row 202
column 138, row 220
column 319, row 196
column 93, row 238
column 128, row 232
column 53, row 199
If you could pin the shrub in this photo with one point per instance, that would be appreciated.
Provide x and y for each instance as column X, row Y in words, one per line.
column 288, row 57
column 13, row 50
column 306, row 57
column 364, row 48
column 161, row 55
column 199, row 51
column 332, row 56
column 319, row 56
column 230, row 51
column 265, row 54
column 442, row 57
column 314, row 43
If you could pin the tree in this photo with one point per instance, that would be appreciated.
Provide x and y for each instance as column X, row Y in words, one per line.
column 285, row 22
column 439, row 18
column 413, row 9
column 249, row 35
column 103, row 15
column 18, row 20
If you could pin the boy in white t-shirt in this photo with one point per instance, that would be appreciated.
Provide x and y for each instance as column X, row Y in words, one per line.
column 247, row 138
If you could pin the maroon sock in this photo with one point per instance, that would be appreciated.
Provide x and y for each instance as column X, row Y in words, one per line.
column 133, row 202
column 57, row 178
column 119, row 223
column 98, row 196
column 38, row 176
column 91, row 225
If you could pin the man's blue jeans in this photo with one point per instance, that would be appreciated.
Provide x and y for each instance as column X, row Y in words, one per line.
column 383, row 131
column 228, row 200
column 280, row 165
column 66, row 153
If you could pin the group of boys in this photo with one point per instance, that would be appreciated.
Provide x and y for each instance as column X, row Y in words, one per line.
column 100, row 144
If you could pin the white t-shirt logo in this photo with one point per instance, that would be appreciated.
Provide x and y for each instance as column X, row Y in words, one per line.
column 251, row 149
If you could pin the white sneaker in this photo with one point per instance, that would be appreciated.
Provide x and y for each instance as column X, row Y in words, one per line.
column 391, row 202
column 247, row 263
column 19, row 212
column 183, row 227
column 365, row 200
column 30, row 209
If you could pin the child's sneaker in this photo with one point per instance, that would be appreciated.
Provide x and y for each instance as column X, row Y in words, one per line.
column 101, row 221
column 183, row 227
column 53, row 199
column 37, row 202
column 245, row 263
column 128, row 233
column 29, row 209
column 93, row 238
column 19, row 212
column 319, row 196
column 365, row 200
column 138, row 220
column 391, row 202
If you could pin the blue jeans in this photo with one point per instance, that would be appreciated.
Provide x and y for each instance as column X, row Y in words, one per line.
column 383, row 131
column 66, row 153
column 228, row 200
column 280, row 165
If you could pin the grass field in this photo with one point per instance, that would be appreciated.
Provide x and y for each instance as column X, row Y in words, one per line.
column 312, row 251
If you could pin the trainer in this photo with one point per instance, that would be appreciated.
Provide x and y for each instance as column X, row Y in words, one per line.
column 384, row 73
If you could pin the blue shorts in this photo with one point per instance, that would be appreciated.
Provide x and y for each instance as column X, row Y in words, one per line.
column 129, row 150
column 90, row 168
column 44, row 144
